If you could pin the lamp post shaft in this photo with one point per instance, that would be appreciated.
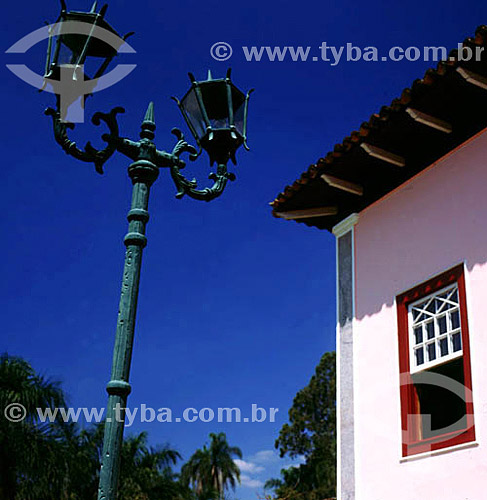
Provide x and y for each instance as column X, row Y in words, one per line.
column 143, row 173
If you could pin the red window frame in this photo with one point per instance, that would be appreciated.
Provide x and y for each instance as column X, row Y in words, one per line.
column 411, row 443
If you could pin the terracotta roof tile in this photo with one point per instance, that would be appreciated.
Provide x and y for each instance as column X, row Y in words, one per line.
column 441, row 93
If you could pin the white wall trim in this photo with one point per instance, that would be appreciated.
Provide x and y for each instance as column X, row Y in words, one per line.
column 472, row 339
column 342, row 229
column 443, row 451
column 345, row 225
column 337, row 377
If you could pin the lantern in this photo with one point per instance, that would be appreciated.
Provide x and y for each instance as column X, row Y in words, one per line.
column 83, row 42
column 215, row 111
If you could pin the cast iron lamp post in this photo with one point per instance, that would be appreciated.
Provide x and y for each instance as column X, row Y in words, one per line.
column 216, row 114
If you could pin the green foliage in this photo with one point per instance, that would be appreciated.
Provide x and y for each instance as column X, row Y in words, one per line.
column 60, row 461
column 211, row 470
column 28, row 452
column 146, row 473
column 310, row 434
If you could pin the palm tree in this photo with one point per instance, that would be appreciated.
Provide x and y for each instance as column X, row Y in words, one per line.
column 197, row 474
column 59, row 460
column 29, row 451
column 81, row 455
column 212, row 470
column 146, row 472
column 225, row 472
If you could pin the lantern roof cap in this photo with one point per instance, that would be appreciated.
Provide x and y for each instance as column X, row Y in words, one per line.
column 97, row 47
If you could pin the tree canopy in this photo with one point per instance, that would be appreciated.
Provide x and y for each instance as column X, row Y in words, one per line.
column 310, row 435
column 59, row 460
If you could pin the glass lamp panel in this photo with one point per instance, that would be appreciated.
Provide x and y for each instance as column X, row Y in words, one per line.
column 216, row 103
column 65, row 55
column 59, row 55
column 74, row 43
column 68, row 55
column 96, row 47
column 87, row 70
column 238, row 101
column 239, row 118
column 91, row 66
column 193, row 112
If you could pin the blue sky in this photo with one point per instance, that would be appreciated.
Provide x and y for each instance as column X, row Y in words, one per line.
column 235, row 307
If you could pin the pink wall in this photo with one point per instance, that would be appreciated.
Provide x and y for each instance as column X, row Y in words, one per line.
column 435, row 221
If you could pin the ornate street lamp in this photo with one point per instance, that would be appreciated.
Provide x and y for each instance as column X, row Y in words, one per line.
column 80, row 48
column 215, row 112
column 65, row 47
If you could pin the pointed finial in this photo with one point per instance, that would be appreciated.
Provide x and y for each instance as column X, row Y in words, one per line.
column 93, row 8
column 149, row 114
column 148, row 125
column 209, row 75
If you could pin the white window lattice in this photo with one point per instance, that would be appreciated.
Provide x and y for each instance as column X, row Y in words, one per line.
column 435, row 329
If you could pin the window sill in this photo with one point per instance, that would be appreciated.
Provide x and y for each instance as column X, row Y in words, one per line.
column 451, row 449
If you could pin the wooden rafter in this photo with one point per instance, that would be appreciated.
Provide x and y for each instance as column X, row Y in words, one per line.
column 473, row 78
column 429, row 121
column 307, row 213
column 349, row 187
column 383, row 155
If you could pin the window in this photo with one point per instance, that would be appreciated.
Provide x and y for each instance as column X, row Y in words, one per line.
column 434, row 357
column 435, row 329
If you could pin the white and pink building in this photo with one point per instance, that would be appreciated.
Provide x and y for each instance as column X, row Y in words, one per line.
column 406, row 198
